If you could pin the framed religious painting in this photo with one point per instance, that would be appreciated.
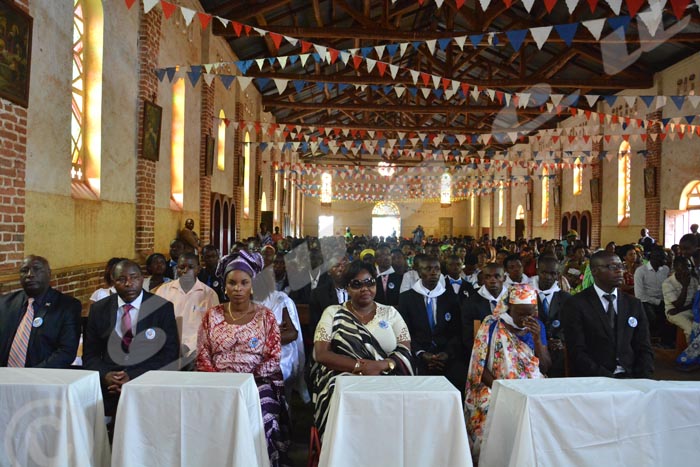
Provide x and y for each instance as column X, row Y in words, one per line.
column 15, row 53
column 152, row 116
column 209, row 155
column 650, row 182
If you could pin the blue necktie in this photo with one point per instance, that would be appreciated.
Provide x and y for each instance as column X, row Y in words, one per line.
column 493, row 305
column 429, row 310
column 545, row 306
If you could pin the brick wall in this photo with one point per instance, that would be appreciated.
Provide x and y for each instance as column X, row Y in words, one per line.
column 653, row 160
column 149, row 46
column 596, row 219
column 237, row 161
column 13, row 163
column 207, row 116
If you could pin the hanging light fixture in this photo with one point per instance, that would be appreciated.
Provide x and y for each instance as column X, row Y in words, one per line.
column 386, row 169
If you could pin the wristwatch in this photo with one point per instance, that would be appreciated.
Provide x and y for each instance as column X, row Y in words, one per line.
column 356, row 370
column 392, row 365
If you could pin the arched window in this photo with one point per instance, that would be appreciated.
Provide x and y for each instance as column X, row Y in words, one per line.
column 690, row 198
column 501, row 207
column 445, row 190
column 545, row 196
column 624, row 171
column 177, row 143
column 386, row 219
column 578, row 178
column 246, row 175
column 263, row 202
column 86, row 100
column 326, row 189
column 520, row 212
column 221, row 142
column 472, row 204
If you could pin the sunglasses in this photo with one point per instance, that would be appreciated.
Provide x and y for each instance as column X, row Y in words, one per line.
column 356, row 284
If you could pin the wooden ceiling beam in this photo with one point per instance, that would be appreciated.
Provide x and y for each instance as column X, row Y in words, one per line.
column 270, row 104
column 241, row 11
column 593, row 83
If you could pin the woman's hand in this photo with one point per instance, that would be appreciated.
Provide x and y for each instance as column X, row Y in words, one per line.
column 373, row 367
column 533, row 326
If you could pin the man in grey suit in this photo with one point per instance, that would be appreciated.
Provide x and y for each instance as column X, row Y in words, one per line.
column 607, row 333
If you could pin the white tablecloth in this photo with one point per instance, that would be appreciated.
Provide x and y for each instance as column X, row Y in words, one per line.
column 389, row 421
column 592, row 422
column 173, row 418
column 52, row 418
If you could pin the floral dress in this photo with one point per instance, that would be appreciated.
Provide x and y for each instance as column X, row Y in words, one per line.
column 507, row 356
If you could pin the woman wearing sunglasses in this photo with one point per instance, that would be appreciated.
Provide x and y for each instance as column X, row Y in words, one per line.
column 360, row 337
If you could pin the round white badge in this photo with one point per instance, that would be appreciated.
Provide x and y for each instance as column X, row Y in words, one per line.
column 215, row 283
column 632, row 322
column 448, row 317
column 38, row 321
column 466, row 292
column 150, row 334
column 556, row 323
column 391, row 285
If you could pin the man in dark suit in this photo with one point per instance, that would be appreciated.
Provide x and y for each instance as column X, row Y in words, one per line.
column 456, row 284
column 433, row 320
column 607, row 333
column 328, row 293
column 304, row 276
column 39, row 326
column 481, row 303
column 388, row 281
column 550, row 302
column 128, row 334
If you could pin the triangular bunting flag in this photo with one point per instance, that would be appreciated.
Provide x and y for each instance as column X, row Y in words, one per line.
column 592, row 4
column 148, row 5
column 129, row 4
column 619, row 24
column 170, row 73
column 168, row 8
column 160, row 73
column 528, row 4
column 516, row 38
column 571, row 5
column 209, row 78
column 651, row 20
column 204, row 19
column 194, row 74
column 281, row 84
column 592, row 99
column 244, row 82
column 595, row 27
column 567, row 32
column 614, row 5
column 679, row 101
column 549, row 5
column 188, row 14
column 227, row 80
column 540, row 35
column 633, row 6
column 475, row 39
column 679, row 7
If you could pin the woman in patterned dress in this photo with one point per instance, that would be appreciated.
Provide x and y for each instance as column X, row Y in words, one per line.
column 510, row 344
column 359, row 337
column 243, row 337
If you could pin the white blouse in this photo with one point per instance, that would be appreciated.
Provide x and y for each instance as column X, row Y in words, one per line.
column 387, row 326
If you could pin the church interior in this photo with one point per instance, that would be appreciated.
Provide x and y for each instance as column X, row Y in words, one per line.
column 121, row 119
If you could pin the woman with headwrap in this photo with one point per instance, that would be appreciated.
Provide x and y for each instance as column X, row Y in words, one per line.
column 511, row 344
column 243, row 337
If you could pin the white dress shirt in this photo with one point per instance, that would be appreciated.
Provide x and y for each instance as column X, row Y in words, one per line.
column 134, row 314
column 648, row 284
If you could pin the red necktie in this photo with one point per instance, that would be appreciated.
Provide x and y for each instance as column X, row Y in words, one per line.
column 385, row 279
column 18, row 351
column 127, row 334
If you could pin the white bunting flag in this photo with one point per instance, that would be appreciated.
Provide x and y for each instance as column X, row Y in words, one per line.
column 303, row 58
column 595, row 27
column 282, row 61
column 402, row 48
column 431, row 46
column 592, row 99
column 244, row 81
column 571, row 5
column 393, row 70
column 380, row 51
column 224, row 22
column 540, row 35
column 436, row 81
column 281, row 84
column 414, row 75
column 291, row 40
column 460, row 40
column 149, row 4
column 188, row 14
column 528, row 4
column 370, row 64
column 399, row 90
column 208, row 78
column 614, row 5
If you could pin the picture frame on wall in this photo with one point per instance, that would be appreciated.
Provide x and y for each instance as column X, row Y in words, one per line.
column 209, row 154
column 650, row 182
column 595, row 190
column 15, row 53
column 152, row 117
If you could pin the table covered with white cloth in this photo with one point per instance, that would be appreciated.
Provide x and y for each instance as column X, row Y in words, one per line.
column 592, row 422
column 395, row 421
column 189, row 418
column 52, row 417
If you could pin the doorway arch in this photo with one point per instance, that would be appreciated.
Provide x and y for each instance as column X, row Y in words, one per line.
column 386, row 219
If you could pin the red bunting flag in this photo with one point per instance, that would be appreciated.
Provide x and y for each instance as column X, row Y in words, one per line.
column 459, row 3
column 168, row 8
column 306, row 46
column 644, row 137
column 549, row 5
column 679, row 7
column 465, row 88
column 130, row 3
column 276, row 39
column 204, row 19
column 607, row 138
column 334, row 54
column 633, row 6
column 508, row 3
column 247, row 29
column 425, row 77
column 356, row 61
column 237, row 28
column 381, row 67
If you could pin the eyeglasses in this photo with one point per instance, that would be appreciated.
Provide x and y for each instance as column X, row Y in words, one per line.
column 613, row 267
column 356, row 284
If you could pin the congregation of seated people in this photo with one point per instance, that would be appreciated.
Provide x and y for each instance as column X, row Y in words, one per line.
column 308, row 310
